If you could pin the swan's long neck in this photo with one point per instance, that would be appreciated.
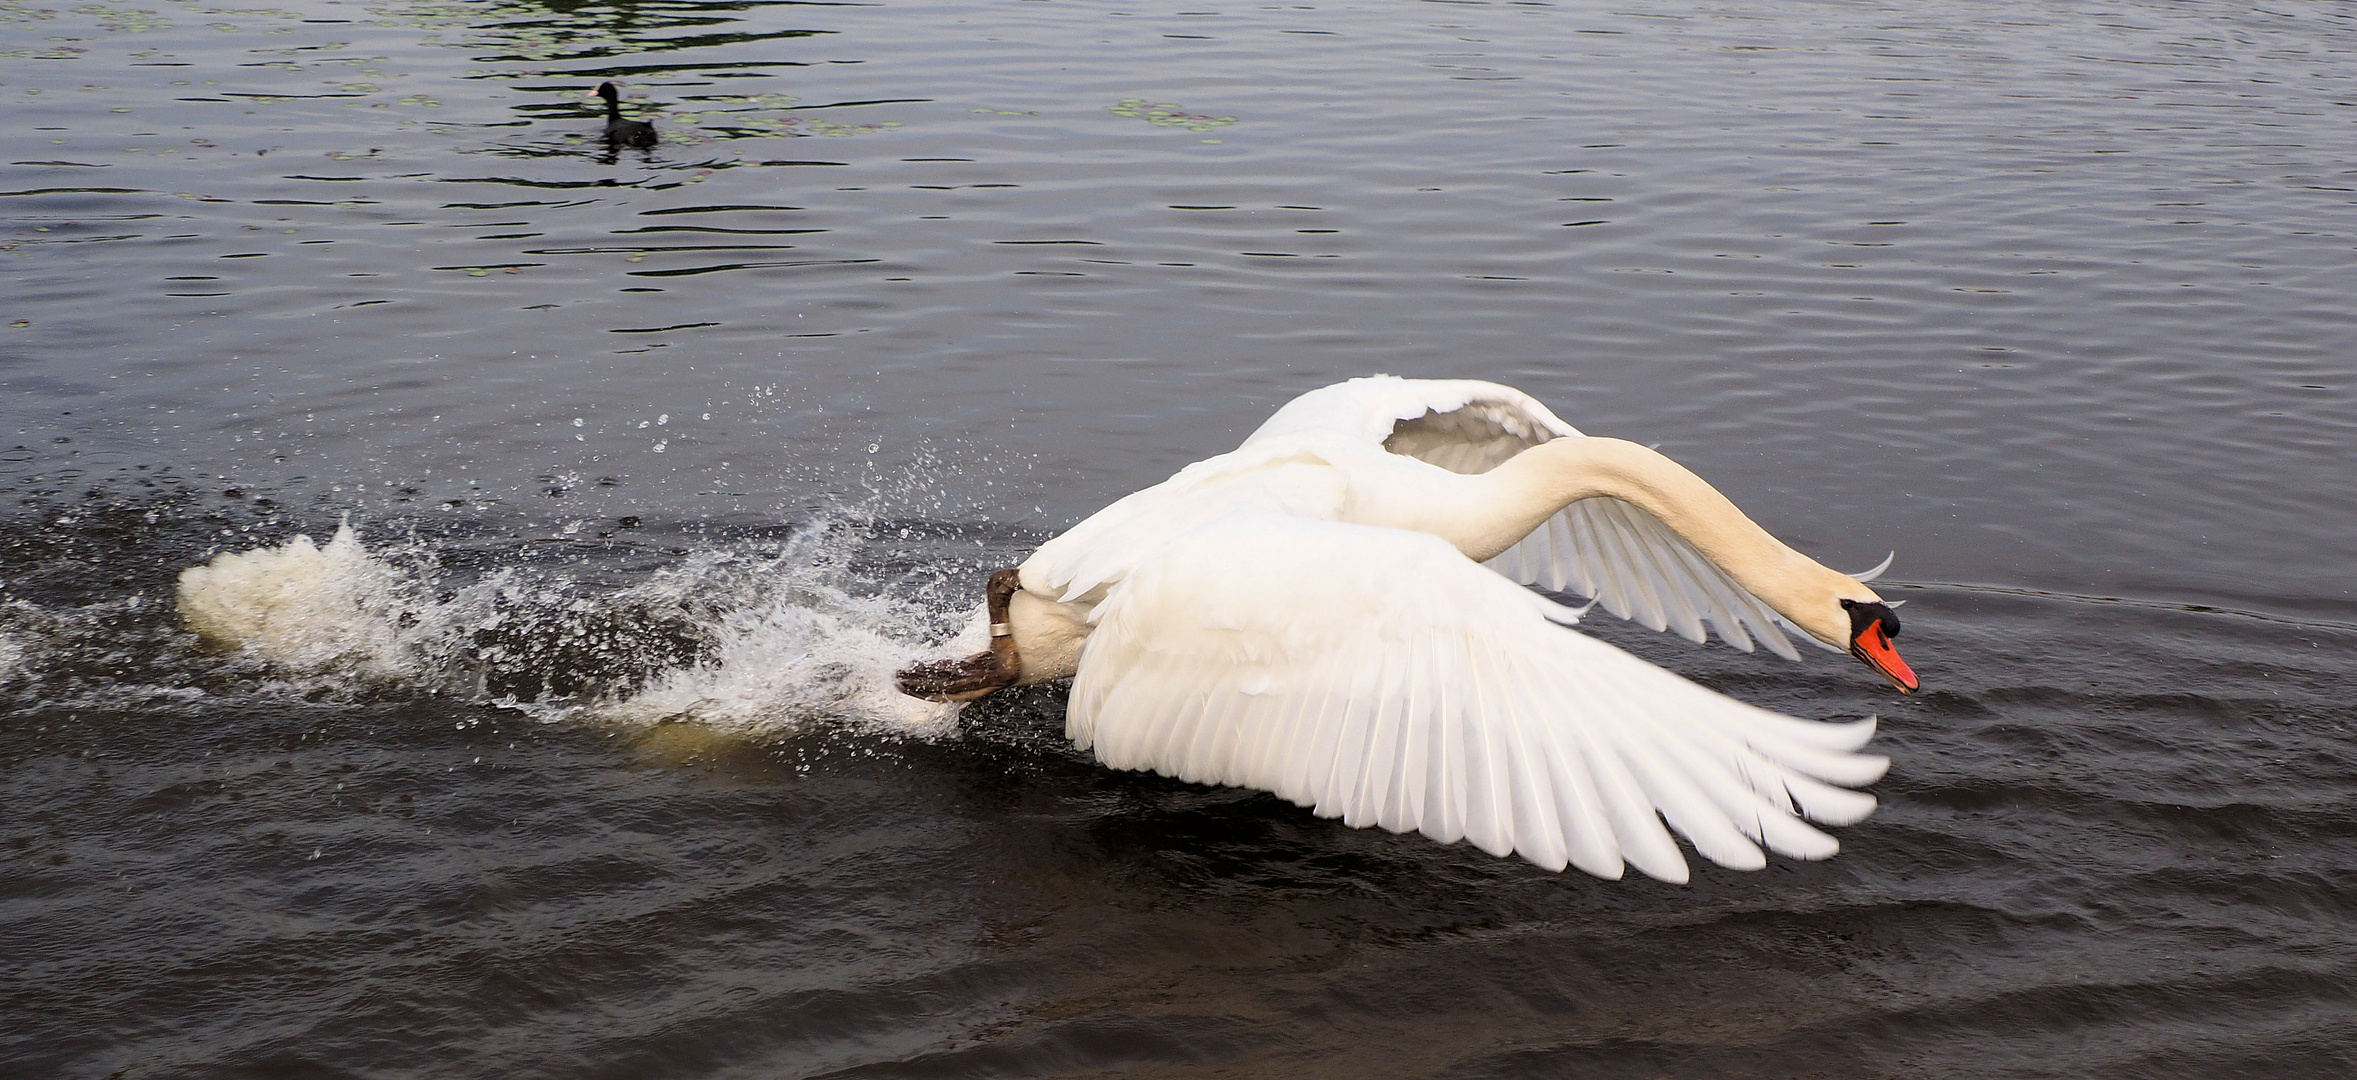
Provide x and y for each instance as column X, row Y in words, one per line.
column 1532, row 486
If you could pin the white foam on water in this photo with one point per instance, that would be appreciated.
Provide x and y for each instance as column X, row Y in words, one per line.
column 792, row 647
column 788, row 664
column 306, row 608
column 790, row 643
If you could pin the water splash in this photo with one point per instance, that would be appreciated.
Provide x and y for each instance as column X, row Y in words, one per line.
column 306, row 608
column 747, row 643
column 787, row 664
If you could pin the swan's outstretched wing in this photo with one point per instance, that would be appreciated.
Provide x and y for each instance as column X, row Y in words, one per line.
column 1444, row 415
column 1378, row 676
column 1643, row 572
column 1605, row 548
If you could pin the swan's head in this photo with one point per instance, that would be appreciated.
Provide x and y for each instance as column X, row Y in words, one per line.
column 1872, row 625
column 1840, row 611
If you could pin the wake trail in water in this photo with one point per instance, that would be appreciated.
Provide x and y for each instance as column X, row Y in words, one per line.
column 749, row 643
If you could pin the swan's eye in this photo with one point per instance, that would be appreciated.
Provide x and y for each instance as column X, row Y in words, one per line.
column 1866, row 613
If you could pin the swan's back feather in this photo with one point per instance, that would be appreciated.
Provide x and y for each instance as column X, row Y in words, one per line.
column 1378, row 676
column 1100, row 551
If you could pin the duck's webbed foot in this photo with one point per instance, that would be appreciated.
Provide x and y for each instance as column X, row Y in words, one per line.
column 983, row 673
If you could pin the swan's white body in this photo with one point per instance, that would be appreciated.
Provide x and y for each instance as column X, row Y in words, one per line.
column 1308, row 615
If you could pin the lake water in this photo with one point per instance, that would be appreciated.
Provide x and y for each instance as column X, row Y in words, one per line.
column 658, row 462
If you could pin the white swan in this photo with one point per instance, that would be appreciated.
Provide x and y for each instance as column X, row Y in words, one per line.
column 1306, row 615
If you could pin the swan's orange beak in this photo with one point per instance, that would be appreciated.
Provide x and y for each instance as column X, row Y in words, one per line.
column 1872, row 626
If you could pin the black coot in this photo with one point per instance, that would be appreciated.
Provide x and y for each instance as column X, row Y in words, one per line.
column 619, row 131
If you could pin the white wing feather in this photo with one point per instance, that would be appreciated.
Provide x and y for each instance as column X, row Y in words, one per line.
column 1371, row 409
column 1626, row 559
column 1378, row 676
column 1641, row 571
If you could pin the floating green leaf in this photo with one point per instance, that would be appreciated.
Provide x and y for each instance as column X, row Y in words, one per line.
column 1166, row 114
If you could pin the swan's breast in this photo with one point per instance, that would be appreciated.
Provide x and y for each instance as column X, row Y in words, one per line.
column 1048, row 636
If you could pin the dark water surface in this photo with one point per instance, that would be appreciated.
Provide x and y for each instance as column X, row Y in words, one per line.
column 2053, row 299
